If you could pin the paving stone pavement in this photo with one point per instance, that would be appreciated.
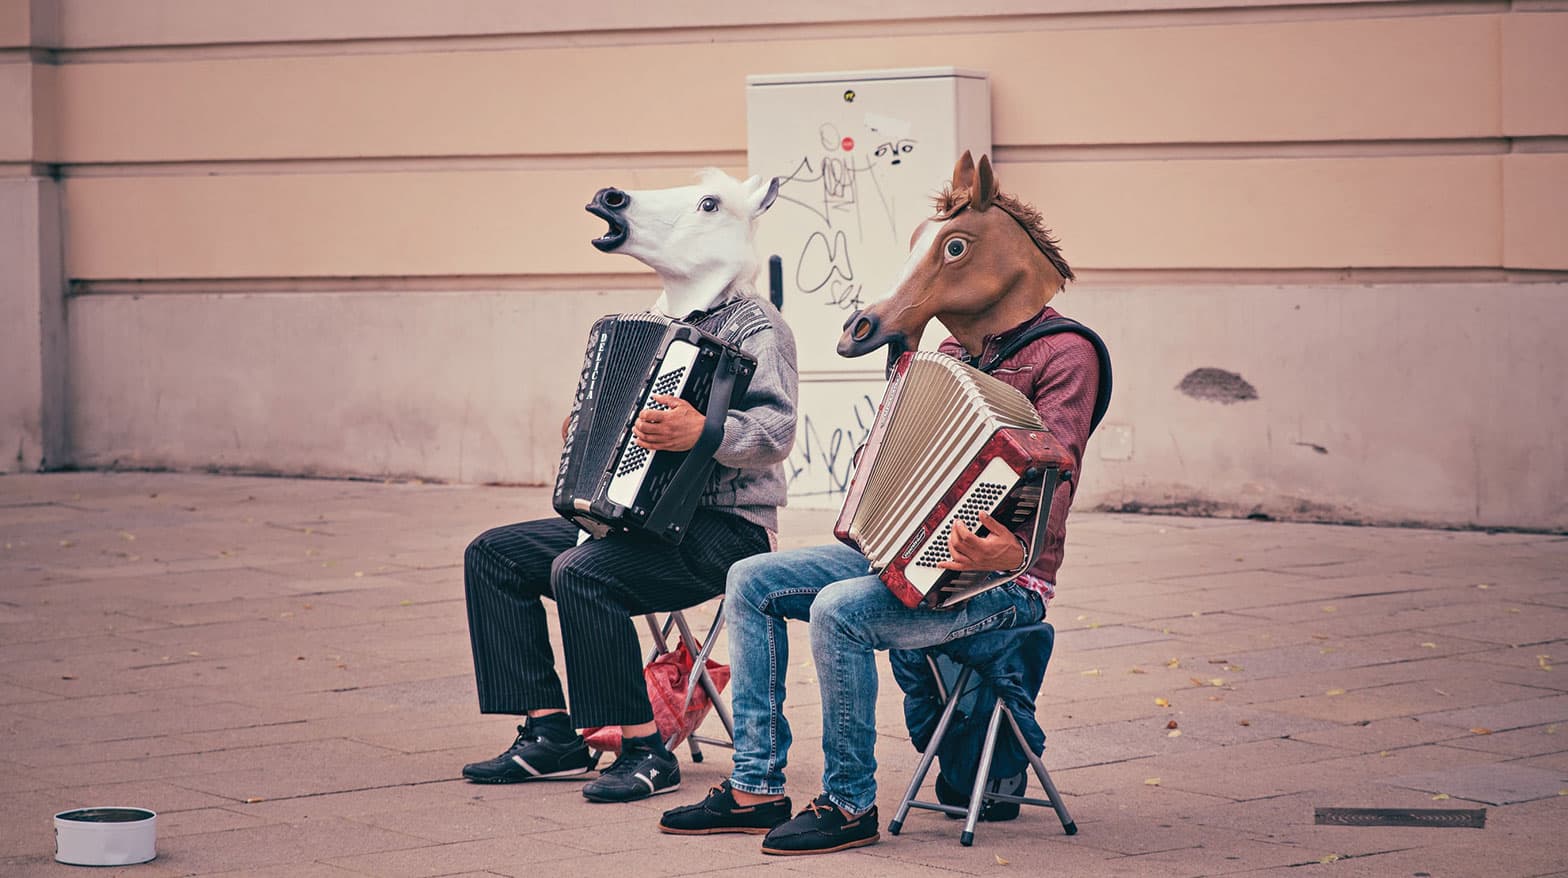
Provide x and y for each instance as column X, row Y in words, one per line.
column 280, row 668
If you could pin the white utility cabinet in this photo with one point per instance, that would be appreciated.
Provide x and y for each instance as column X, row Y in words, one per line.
column 860, row 155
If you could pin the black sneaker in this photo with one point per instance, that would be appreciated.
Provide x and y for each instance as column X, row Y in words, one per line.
column 643, row 769
column 822, row 829
column 534, row 757
column 719, row 812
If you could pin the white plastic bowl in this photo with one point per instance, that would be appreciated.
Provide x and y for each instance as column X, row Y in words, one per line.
column 105, row 836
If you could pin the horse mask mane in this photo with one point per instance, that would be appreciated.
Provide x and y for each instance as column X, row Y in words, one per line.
column 976, row 270
column 699, row 239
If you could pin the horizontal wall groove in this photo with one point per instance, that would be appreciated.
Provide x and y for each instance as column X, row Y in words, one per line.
column 1088, row 278
column 1193, row 15
column 1005, row 153
column 641, row 280
column 619, row 161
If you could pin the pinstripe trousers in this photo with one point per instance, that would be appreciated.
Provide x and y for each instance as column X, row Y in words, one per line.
column 598, row 587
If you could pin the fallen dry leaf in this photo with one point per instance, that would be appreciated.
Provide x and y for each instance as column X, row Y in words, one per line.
column 1219, row 661
column 1195, row 681
column 1245, row 722
column 1196, row 613
column 999, row 860
column 1333, row 692
column 1173, row 733
column 1092, row 672
column 1551, row 729
column 68, row 676
column 1216, row 681
column 1162, row 702
column 1544, row 662
column 1483, row 585
column 1234, row 668
column 1429, row 645
column 1440, row 797
column 1382, row 752
column 405, row 603
column 127, row 536
column 1331, row 858
column 1478, row 730
column 359, row 573
column 193, row 652
column 1173, row 663
column 1441, row 692
column 1331, row 609
column 66, row 544
column 1136, row 671
column 254, row 799
column 1151, row 781
column 1320, row 637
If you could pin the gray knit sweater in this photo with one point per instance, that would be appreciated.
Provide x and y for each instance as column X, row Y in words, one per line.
column 758, row 433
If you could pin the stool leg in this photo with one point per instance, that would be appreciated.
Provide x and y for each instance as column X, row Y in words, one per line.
column 1068, row 826
column 929, row 755
column 982, row 774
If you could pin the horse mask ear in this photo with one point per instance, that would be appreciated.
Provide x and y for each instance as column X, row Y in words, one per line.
column 985, row 186
column 964, row 173
column 761, row 195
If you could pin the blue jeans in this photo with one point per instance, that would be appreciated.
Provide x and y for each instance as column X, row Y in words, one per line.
column 852, row 614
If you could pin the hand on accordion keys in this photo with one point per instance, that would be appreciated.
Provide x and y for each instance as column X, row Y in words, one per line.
column 999, row 549
column 676, row 427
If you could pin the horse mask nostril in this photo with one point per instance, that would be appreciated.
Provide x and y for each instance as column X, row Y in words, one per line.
column 863, row 328
column 615, row 199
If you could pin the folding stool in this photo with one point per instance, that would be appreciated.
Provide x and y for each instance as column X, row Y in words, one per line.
column 1023, row 638
column 700, row 650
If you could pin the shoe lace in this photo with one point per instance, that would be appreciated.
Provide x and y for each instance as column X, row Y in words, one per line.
column 818, row 807
column 626, row 761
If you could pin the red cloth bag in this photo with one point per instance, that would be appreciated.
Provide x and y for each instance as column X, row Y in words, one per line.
column 667, row 675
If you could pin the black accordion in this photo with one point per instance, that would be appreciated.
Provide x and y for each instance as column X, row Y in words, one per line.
column 607, row 481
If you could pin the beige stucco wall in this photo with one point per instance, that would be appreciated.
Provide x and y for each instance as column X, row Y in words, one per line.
column 346, row 236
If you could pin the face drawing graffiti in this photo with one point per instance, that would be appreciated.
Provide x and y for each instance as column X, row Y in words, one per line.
column 894, row 150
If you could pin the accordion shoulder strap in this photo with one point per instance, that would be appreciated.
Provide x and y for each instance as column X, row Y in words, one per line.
column 1102, row 398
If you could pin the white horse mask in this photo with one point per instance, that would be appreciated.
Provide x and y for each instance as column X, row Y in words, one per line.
column 698, row 238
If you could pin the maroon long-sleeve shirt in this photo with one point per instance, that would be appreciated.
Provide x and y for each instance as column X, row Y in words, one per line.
column 1061, row 375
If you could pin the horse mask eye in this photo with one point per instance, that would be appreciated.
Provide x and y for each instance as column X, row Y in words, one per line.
column 955, row 248
column 708, row 204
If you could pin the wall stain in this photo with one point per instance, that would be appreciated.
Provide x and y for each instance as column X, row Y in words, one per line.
column 1217, row 385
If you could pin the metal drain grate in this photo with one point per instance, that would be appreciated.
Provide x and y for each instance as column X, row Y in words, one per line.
column 1442, row 818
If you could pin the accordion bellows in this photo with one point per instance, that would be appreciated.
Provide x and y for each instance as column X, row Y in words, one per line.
column 607, row 481
column 948, row 443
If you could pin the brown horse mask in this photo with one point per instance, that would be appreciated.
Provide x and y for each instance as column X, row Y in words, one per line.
column 983, row 264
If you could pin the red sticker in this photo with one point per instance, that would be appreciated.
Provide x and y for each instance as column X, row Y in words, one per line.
column 848, row 143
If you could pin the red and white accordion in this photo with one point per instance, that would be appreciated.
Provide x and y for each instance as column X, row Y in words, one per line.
column 949, row 442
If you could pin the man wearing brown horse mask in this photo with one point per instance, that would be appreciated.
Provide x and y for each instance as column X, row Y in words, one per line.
column 985, row 267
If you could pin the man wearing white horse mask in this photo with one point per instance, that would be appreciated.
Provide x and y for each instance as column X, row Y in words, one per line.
column 700, row 241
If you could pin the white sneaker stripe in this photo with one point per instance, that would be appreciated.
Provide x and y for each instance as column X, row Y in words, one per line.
column 645, row 780
column 526, row 767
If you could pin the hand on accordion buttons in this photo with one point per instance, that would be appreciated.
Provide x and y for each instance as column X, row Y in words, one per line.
column 999, row 549
column 675, row 428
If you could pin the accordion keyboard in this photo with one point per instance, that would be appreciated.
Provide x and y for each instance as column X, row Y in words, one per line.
column 635, row 460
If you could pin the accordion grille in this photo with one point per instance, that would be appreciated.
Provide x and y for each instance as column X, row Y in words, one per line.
column 635, row 341
column 943, row 414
